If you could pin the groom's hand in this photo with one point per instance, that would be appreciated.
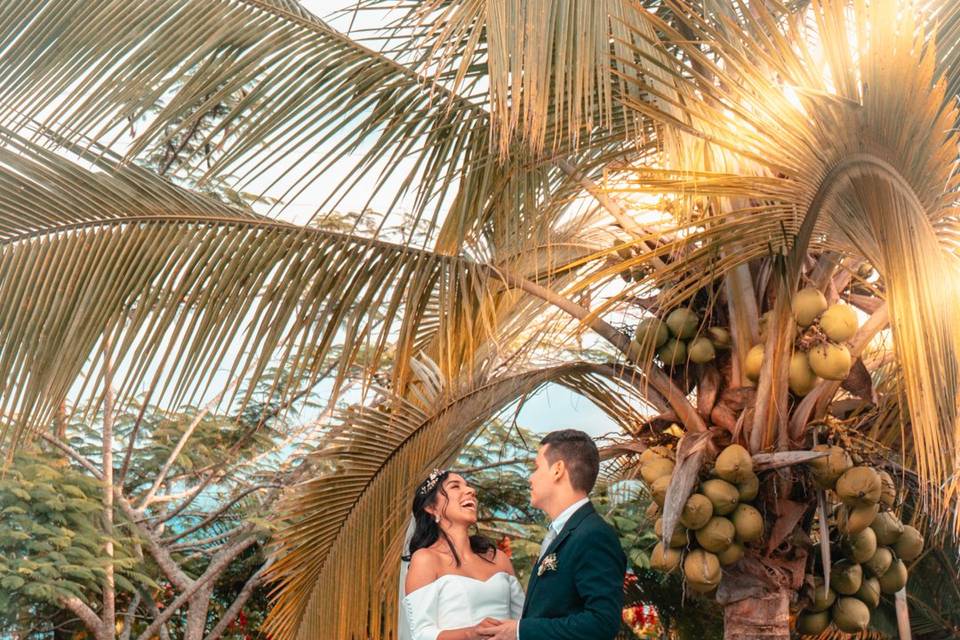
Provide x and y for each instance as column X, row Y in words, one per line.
column 489, row 622
column 506, row 630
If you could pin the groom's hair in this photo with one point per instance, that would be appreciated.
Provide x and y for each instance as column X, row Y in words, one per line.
column 578, row 452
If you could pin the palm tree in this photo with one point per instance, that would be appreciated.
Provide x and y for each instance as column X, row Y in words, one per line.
column 729, row 151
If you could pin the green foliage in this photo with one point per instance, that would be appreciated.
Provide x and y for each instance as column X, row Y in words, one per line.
column 51, row 544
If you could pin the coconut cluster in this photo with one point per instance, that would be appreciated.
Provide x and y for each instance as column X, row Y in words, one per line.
column 716, row 522
column 870, row 545
column 821, row 352
column 676, row 338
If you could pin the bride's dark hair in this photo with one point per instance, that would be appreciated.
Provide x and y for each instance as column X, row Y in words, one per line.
column 427, row 531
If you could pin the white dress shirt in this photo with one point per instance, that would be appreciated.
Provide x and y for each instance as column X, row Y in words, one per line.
column 559, row 522
column 555, row 528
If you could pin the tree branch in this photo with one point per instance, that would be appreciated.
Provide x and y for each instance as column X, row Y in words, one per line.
column 216, row 514
column 74, row 454
column 237, row 605
column 109, row 595
column 160, row 555
column 213, row 571
column 84, row 612
column 129, row 616
column 175, row 453
column 502, row 463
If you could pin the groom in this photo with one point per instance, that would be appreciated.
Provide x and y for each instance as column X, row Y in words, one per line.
column 576, row 589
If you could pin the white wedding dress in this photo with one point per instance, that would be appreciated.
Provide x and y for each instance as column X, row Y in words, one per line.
column 454, row 602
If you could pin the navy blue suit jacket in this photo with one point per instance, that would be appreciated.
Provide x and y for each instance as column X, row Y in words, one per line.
column 582, row 599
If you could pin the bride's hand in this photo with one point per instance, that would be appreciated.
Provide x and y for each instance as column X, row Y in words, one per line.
column 474, row 631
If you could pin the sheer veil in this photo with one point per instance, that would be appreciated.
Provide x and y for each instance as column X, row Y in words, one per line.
column 403, row 624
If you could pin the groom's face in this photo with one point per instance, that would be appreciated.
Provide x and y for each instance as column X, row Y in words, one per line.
column 542, row 480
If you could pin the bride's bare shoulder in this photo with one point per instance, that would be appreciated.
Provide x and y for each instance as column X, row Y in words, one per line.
column 422, row 571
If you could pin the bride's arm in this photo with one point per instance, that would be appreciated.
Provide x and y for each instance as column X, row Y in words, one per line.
column 421, row 604
column 516, row 591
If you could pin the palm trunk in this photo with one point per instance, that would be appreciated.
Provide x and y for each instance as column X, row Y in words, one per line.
column 766, row 617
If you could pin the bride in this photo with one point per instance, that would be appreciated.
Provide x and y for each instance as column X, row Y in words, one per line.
column 455, row 583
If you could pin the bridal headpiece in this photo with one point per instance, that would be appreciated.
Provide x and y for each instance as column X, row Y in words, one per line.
column 431, row 481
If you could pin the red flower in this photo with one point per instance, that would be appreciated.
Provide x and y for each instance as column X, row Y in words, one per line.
column 504, row 545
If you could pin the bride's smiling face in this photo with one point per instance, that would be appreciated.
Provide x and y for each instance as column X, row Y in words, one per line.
column 459, row 505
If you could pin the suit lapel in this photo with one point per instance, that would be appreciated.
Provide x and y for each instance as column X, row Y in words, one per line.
column 574, row 521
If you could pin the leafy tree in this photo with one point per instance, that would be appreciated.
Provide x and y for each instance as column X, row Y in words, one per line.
column 51, row 544
column 190, row 517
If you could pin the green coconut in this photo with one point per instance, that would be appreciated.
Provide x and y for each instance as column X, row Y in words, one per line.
column 720, row 337
column 656, row 468
column 652, row 331
column 869, row 592
column 850, row 615
column 683, row 323
column 852, row 521
column 716, row 535
column 828, row 469
column 823, row 598
column 753, row 362
column 679, row 538
column 665, row 559
column 830, row 361
column 696, row 512
column 807, row 304
column 845, row 577
column 701, row 350
column 860, row 546
column 748, row 522
column 880, row 562
column 659, row 489
column 702, row 570
column 888, row 528
column 734, row 464
column 673, row 352
column 722, row 494
column 730, row 555
column 859, row 487
column 894, row 578
column 800, row 376
column 749, row 488
column 812, row 623
column 888, row 490
column 910, row 545
column 839, row 322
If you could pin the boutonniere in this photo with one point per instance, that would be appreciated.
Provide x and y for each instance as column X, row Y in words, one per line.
column 549, row 563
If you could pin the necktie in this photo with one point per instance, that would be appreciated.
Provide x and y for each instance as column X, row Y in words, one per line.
column 547, row 541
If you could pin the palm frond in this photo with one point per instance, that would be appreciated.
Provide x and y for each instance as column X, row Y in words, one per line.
column 309, row 97
column 304, row 85
column 178, row 281
column 350, row 520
